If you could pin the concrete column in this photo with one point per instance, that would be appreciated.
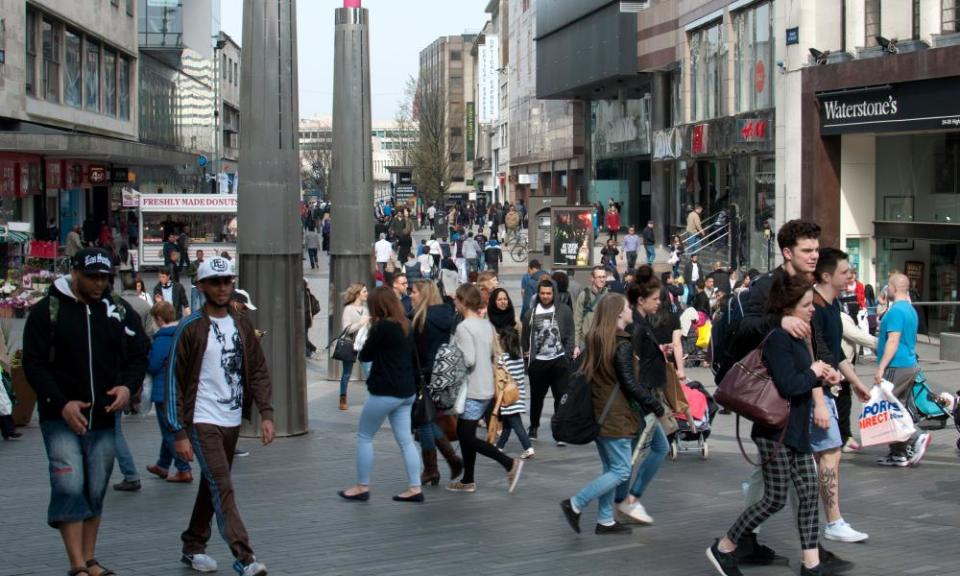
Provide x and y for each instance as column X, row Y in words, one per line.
column 270, row 238
column 660, row 187
column 351, row 237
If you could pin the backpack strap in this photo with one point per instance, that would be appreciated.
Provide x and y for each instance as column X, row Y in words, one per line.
column 53, row 306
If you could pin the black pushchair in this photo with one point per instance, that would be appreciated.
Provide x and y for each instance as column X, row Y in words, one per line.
column 703, row 405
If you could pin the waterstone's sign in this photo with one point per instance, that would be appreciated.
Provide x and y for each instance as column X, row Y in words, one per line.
column 909, row 106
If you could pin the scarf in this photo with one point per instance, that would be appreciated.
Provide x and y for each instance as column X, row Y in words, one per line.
column 500, row 318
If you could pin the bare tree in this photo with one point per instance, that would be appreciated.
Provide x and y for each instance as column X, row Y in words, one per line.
column 431, row 162
column 405, row 125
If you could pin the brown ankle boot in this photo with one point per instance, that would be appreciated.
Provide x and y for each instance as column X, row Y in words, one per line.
column 430, row 475
column 450, row 455
column 343, row 402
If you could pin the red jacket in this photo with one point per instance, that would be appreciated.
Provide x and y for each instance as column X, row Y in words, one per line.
column 613, row 220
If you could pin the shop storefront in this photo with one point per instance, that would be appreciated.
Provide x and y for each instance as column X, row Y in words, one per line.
column 728, row 165
column 210, row 220
column 887, row 148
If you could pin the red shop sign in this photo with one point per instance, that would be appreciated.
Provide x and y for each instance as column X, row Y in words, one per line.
column 97, row 175
column 752, row 130
column 699, row 135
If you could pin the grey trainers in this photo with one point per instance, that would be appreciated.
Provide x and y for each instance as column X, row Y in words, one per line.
column 199, row 562
column 252, row 569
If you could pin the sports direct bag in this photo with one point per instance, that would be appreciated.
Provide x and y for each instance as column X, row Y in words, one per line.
column 574, row 422
column 884, row 419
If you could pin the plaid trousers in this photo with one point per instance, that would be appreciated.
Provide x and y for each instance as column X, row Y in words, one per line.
column 788, row 465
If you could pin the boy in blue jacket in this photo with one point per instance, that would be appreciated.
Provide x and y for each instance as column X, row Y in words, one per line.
column 166, row 319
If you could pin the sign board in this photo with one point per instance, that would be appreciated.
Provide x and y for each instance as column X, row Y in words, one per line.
column 488, row 80
column 752, row 130
column 202, row 160
column 699, row 139
column 793, row 35
column 97, row 175
column 668, row 144
column 188, row 203
column 130, row 198
column 572, row 237
column 471, row 128
column 922, row 105
column 119, row 175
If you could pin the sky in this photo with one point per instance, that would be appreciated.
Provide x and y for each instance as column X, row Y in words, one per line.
column 399, row 29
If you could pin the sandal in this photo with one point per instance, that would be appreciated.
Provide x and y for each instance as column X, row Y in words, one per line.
column 78, row 571
column 104, row 571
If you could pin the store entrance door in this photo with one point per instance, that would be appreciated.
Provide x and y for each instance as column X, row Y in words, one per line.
column 944, row 286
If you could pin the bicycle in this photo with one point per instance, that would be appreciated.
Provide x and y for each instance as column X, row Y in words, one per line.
column 519, row 249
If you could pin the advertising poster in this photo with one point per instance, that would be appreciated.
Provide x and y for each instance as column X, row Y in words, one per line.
column 572, row 237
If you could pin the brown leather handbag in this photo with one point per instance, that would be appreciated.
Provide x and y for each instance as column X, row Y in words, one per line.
column 748, row 390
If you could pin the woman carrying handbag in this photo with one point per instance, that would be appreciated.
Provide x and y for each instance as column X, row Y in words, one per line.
column 785, row 451
column 433, row 321
column 355, row 316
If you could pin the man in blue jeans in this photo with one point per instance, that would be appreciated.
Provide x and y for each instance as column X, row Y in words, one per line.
column 85, row 355
column 650, row 243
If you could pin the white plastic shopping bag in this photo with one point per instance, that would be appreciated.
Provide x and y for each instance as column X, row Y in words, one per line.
column 361, row 338
column 884, row 419
column 6, row 406
column 460, row 405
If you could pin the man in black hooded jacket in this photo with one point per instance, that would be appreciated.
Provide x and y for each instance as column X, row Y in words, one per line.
column 85, row 355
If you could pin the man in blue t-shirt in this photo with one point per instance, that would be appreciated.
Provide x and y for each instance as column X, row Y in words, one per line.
column 897, row 350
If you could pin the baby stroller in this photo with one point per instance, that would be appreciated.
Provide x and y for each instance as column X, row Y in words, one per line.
column 694, row 355
column 703, row 409
column 931, row 411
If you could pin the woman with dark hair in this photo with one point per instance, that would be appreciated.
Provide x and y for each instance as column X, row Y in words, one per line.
column 433, row 321
column 474, row 337
column 609, row 368
column 644, row 299
column 500, row 310
column 870, row 298
column 390, row 348
column 511, row 359
column 562, row 281
column 786, row 454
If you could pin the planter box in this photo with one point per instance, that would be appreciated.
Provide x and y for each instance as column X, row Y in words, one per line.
column 26, row 398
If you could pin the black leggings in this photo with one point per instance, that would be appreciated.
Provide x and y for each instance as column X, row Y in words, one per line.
column 844, row 405
column 470, row 445
column 546, row 375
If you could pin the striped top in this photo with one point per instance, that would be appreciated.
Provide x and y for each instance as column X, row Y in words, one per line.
column 515, row 367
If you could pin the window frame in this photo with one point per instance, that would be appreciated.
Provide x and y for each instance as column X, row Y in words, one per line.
column 80, row 75
column 30, row 49
column 948, row 6
column 870, row 39
column 52, row 65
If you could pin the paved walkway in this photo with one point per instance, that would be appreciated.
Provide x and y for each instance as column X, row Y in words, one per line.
column 287, row 493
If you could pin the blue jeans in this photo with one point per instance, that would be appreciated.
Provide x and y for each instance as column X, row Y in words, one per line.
column 648, row 468
column 615, row 456
column 197, row 299
column 167, row 452
column 375, row 410
column 124, row 458
column 651, row 253
column 348, row 371
column 513, row 422
column 80, row 468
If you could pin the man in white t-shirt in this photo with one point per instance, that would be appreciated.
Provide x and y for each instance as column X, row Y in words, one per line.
column 384, row 250
column 217, row 372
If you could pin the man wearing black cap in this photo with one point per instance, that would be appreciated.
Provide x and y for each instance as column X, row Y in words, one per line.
column 85, row 355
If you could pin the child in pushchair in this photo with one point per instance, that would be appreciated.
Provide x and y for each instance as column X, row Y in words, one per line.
column 702, row 409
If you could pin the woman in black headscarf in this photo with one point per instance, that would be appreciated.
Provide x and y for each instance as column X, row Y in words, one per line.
column 500, row 311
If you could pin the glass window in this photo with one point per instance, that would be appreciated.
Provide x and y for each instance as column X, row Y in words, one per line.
column 123, row 87
column 91, row 77
column 51, row 60
column 129, row 7
column 236, row 73
column 456, row 132
column 110, row 82
column 456, row 55
column 949, row 16
column 31, row 46
column 223, row 67
column 754, row 57
column 871, row 10
column 161, row 22
column 706, row 64
column 72, row 78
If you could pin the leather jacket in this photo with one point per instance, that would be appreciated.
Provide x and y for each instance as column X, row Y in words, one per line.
column 623, row 421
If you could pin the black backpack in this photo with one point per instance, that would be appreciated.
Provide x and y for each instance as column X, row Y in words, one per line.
column 723, row 336
column 574, row 422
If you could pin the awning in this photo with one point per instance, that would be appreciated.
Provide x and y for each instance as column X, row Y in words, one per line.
column 14, row 237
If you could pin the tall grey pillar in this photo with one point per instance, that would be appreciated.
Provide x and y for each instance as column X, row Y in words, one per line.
column 268, row 213
column 351, row 192
column 660, row 188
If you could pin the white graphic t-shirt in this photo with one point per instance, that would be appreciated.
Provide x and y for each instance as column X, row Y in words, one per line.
column 220, row 394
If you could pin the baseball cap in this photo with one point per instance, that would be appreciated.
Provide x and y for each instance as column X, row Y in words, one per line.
column 216, row 267
column 92, row 261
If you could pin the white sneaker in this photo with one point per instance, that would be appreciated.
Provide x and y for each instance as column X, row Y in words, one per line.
column 919, row 448
column 527, row 454
column 841, row 531
column 636, row 513
column 254, row 569
column 199, row 562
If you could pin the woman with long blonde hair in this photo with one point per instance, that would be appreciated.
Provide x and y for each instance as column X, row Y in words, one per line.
column 608, row 367
column 433, row 321
column 355, row 316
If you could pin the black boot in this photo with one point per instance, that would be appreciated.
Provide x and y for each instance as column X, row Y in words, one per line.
column 750, row 551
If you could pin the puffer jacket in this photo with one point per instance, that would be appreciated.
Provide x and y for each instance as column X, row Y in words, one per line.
column 623, row 421
column 157, row 367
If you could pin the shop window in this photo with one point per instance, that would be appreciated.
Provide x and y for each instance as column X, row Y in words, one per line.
column 754, row 57
column 948, row 12
column 110, row 82
column 123, row 87
column 91, row 76
column 72, row 64
column 871, row 10
column 49, row 34
column 707, row 56
column 30, row 38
